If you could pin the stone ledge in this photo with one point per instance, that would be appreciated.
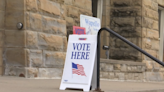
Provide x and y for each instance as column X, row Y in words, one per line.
column 111, row 61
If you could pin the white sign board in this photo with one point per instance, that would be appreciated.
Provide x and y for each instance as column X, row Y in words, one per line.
column 79, row 63
column 91, row 24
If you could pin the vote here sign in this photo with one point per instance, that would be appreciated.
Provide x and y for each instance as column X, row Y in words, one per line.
column 79, row 62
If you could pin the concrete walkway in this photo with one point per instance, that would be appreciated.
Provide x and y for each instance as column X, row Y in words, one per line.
column 15, row 84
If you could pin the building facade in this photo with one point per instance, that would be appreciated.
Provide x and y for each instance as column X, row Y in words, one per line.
column 39, row 49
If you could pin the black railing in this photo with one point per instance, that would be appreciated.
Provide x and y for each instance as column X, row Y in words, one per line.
column 126, row 41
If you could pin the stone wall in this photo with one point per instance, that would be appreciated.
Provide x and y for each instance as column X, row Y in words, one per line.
column 2, row 23
column 39, row 49
column 122, row 70
column 73, row 9
column 150, row 39
column 126, row 21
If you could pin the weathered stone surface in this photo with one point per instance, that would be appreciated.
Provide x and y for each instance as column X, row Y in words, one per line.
column 35, row 21
column 154, row 76
column 150, row 4
column 31, row 39
column 150, row 13
column 15, row 5
column 50, row 7
column 65, row 44
column 1, row 39
column 52, row 42
column 120, row 76
column 14, row 38
column 14, row 71
column 15, row 56
column 73, row 12
column 1, row 59
column 31, row 72
column 54, row 26
column 31, row 5
column 50, row 72
column 2, row 19
column 160, row 2
column 120, row 22
column 105, row 75
column 126, row 12
column 79, row 3
column 2, row 5
column 54, row 59
column 68, row 2
column 152, row 34
column 14, row 13
column 34, row 58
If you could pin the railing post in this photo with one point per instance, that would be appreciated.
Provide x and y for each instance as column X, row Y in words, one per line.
column 98, row 60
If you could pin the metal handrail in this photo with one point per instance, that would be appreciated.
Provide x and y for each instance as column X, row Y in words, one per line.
column 126, row 41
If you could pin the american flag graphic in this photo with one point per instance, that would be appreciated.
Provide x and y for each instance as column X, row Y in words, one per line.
column 78, row 69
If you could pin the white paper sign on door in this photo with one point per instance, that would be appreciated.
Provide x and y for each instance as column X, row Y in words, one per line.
column 79, row 63
column 91, row 24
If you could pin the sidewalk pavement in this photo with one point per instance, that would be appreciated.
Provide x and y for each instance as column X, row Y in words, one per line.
column 15, row 84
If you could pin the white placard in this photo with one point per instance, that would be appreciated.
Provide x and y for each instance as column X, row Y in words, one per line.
column 91, row 24
column 79, row 63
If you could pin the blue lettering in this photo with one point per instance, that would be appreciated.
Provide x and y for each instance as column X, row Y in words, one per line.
column 78, row 54
column 87, row 55
column 73, row 55
column 88, row 47
column 83, row 55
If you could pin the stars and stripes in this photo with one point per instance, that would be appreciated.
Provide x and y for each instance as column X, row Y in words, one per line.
column 78, row 69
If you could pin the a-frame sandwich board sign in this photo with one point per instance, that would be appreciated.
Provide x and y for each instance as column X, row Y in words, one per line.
column 79, row 63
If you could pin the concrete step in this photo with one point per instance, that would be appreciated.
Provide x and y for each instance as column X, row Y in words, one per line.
column 16, row 84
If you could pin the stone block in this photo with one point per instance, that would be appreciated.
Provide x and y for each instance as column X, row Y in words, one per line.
column 35, row 22
column 79, row 3
column 88, row 5
column 34, row 58
column 54, row 26
column 15, row 5
column 150, row 4
column 14, row 38
column 150, row 13
column 126, row 12
column 105, row 75
column 108, row 68
column 121, row 22
column 54, row 59
column 69, row 2
column 153, row 34
column 32, row 72
column 50, row 72
column 155, row 25
column 121, row 3
column 73, row 12
column 13, row 16
column 50, row 7
column 2, row 19
column 14, row 71
column 120, row 76
column 53, row 42
column 111, row 75
column 147, row 22
column 15, row 56
column 154, row 76
column 117, row 67
column 31, row 39
column 31, row 5
column 124, row 68
column 2, row 5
